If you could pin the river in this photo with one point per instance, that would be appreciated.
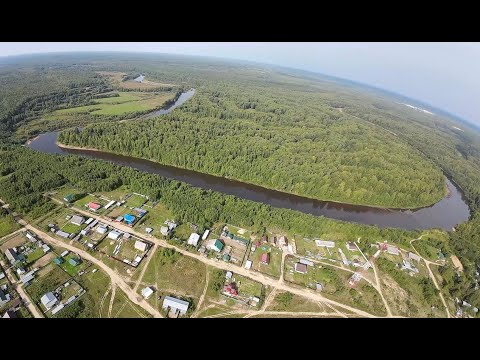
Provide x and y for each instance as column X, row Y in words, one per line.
column 445, row 214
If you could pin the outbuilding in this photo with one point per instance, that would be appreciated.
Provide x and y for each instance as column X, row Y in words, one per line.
column 140, row 245
column 114, row 235
column 77, row 220
column 147, row 292
column 175, row 305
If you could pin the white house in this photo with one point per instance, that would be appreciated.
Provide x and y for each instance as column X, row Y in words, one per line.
column 193, row 239
column 175, row 305
column 147, row 292
column 102, row 229
column 140, row 245
column 114, row 235
column 77, row 220
column 49, row 300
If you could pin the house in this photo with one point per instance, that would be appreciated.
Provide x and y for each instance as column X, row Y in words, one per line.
column 69, row 198
column 30, row 236
column 4, row 298
column 58, row 260
column 301, row 268
column 306, row 262
column 15, row 304
column 351, row 246
column 129, row 219
column 45, row 248
column 413, row 256
column 77, row 220
column 231, row 289
column 119, row 219
column 175, row 305
column 324, row 243
column 147, row 292
column 283, row 241
column 148, row 230
column 217, row 245
column 109, row 204
column 93, row 206
column 74, row 261
column 393, row 250
column 193, row 239
column 265, row 258
column 49, row 300
column 140, row 245
column 9, row 314
column 62, row 234
column 165, row 231
column 114, row 235
column 205, row 234
column 13, row 256
column 248, row 264
column 102, row 229
column 27, row 278
column 456, row 263
column 65, row 253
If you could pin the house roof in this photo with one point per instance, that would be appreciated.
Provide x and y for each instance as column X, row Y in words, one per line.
column 175, row 303
column 77, row 219
column 129, row 217
column 94, row 206
column 9, row 314
column 140, row 245
column 47, row 298
column 264, row 258
column 146, row 292
column 218, row 244
column 301, row 267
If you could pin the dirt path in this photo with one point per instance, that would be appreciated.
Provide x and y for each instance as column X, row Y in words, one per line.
column 102, row 302
column 432, row 276
column 149, row 258
column 115, row 278
column 21, row 292
column 112, row 298
column 202, row 297
column 264, row 279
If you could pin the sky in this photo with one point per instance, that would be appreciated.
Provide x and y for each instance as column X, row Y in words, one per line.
column 444, row 75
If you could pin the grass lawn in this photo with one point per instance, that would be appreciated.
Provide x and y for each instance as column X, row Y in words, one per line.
column 69, row 268
column 135, row 201
column 46, row 279
column 335, row 283
column 83, row 202
column 118, row 194
column 8, row 225
column 72, row 228
column 35, row 255
column 248, row 287
column 274, row 267
column 172, row 273
column 57, row 217
column 63, row 191
column 286, row 301
column 183, row 231
column 156, row 217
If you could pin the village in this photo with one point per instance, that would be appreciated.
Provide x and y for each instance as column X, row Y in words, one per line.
column 123, row 229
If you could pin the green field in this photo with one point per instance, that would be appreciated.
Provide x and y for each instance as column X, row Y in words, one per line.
column 83, row 202
column 47, row 279
column 72, row 228
column 118, row 194
column 35, row 255
column 156, row 217
column 274, row 267
column 126, row 102
column 248, row 287
column 63, row 191
column 7, row 225
column 135, row 201
column 69, row 268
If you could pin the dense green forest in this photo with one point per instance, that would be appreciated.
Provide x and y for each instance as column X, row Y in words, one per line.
column 305, row 133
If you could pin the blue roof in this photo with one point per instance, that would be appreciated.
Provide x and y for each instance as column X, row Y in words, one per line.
column 129, row 218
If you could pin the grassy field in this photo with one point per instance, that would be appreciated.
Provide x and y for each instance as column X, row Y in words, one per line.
column 63, row 191
column 124, row 103
column 156, row 217
column 72, row 228
column 174, row 274
column 57, row 217
column 47, row 279
column 248, row 287
column 118, row 194
column 7, row 225
column 334, row 281
column 135, row 201
column 69, row 268
column 274, row 267
column 83, row 202
column 35, row 255
column 285, row 301
column 183, row 231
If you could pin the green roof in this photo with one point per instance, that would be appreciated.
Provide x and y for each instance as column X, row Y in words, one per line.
column 69, row 197
column 74, row 262
column 218, row 244
column 58, row 260
column 226, row 257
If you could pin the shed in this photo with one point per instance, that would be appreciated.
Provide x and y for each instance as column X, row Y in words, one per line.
column 109, row 204
column 69, row 198
column 74, row 261
column 45, row 248
column 147, row 292
column 226, row 257
column 114, row 235
column 58, row 260
column 63, row 234
column 89, row 220
column 175, row 304
column 351, row 246
column 228, row 275
column 265, row 258
column 205, row 234
column 65, row 253
column 48, row 300
column 140, row 245
column 164, row 230
column 324, row 243
column 301, row 268
column 9, row 314
column 393, row 250
column 306, row 262
column 119, row 219
column 148, row 230
column 102, row 229
column 77, row 220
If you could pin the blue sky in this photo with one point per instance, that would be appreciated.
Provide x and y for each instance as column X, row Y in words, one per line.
column 445, row 75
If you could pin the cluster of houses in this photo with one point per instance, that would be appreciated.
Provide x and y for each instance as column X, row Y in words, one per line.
column 17, row 255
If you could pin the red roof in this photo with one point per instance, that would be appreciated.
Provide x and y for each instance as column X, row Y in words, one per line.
column 94, row 206
column 264, row 258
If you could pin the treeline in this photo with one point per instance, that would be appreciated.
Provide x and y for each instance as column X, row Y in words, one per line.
column 31, row 174
column 281, row 139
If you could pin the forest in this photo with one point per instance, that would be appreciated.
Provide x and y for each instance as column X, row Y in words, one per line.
column 322, row 139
